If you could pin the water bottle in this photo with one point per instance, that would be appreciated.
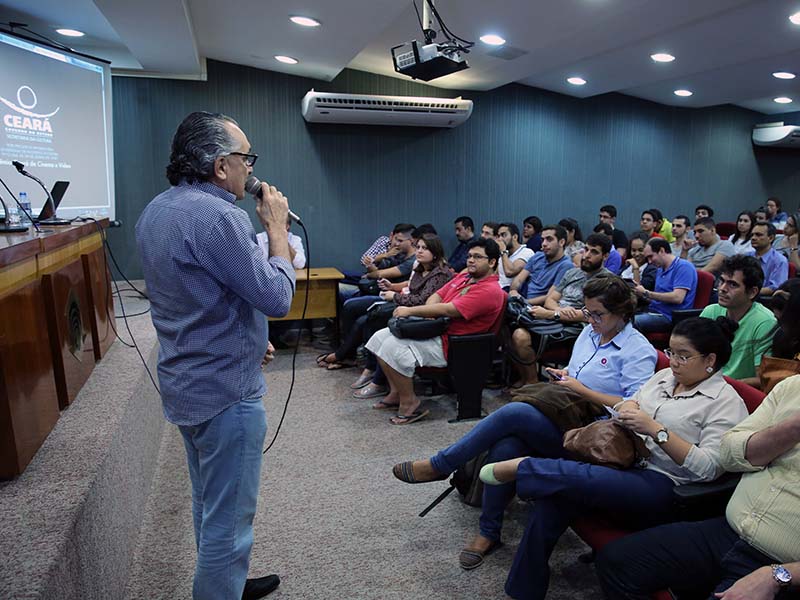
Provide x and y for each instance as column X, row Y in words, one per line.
column 13, row 215
column 24, row 203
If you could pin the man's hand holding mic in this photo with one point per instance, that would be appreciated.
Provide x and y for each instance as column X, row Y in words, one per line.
column 272, row 209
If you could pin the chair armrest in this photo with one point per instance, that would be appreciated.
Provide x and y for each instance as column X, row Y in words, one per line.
column 696, row 501
column 682, row 315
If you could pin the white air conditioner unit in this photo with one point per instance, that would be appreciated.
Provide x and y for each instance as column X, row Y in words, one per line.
column 777, row 135
column 409, row 111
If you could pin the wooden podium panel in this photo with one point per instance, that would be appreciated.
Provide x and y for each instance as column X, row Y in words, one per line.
column 323, row 290
column 51, row 332
column 28, row 399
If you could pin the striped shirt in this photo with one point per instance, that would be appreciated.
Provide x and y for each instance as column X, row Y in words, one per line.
column 208, row 282
column 765, row 508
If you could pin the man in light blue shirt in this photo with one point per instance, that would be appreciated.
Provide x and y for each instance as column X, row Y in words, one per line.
column 774, row 264
column 545, row 268
column 210, row 285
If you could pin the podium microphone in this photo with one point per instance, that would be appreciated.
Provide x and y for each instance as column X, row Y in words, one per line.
column 253, row 186
column 53, row 220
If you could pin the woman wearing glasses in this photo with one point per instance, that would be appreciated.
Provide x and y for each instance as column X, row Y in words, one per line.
column 610, row 362
column 681, row 413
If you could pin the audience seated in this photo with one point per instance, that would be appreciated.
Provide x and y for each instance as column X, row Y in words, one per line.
column 614, row 261
column 574, row 246
column 681, row 412
column 429, row 275
column 465, row 234
column 775, row 214
column 752, row 552
column 647, row 224
column 787, row 243
column 532, row 233
column 608, row 214
column 760, row 214
column 545, row 268
column 680, row 231
column 380, row 249
column 774, row 265
column 740, row 280
column 703, row 211
column 397, row 263
column 610, row 362
column 489, row 230
column 296, row 251
column 513, row 255
column 639, row 270
column 676, row 283
column 663, row 227
column 744, row 230
column 474, row 302
column 785, row 305
column 709, row 250
column 563, row 304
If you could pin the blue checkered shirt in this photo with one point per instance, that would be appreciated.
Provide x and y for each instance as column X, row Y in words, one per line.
column 209, row 283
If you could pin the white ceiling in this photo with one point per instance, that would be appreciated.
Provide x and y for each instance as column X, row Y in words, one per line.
column 726, row 50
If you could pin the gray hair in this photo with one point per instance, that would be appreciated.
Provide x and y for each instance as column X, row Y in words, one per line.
column 200, row 139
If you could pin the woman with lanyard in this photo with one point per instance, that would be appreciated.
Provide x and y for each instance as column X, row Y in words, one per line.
column 610, row 362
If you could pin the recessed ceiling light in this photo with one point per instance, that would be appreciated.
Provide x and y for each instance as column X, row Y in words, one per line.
column 493, row 40
column 783, row 100
column 288, row 60
column 576, row 81
column 662, row 57
column 683, row 93
column 304, row 21
column 70, row 32
column 795, row 18
column 784, row 75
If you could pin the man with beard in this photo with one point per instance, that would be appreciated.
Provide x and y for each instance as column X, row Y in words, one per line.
column 562, row 304
column 546, row 268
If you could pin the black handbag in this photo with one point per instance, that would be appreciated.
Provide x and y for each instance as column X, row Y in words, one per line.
column 418, row 328
column 467, row 481
column 368, row 287
column 378, row 316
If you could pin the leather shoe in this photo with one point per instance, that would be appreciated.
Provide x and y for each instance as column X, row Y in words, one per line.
column 260, row 587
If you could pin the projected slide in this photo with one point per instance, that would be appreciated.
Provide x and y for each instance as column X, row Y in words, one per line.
column 56, row 120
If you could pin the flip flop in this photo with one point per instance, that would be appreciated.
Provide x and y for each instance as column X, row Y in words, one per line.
column 321, row 362
column 380, row 405
column 335, row 366
column 362, row 381
column 408, row 419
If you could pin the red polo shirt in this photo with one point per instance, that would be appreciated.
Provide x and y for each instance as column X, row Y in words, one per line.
column 480, row 304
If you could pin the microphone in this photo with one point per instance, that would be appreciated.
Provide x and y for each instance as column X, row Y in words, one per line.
column 53, row 220
column 253, row 186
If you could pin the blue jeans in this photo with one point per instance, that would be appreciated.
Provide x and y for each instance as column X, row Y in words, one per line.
column 564, row 489
column 516, row 429
column 651, row 322
column 224, row 457
column 354, row 320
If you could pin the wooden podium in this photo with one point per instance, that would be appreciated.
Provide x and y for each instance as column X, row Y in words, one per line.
column 56, row 318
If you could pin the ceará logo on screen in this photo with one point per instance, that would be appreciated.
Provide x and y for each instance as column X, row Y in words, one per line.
column 25, row 118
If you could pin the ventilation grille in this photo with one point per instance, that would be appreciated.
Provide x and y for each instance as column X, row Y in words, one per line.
column 362, row 103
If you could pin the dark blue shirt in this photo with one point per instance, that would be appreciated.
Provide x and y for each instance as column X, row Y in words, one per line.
column 680, row 274
column 458, row 259
column 210, row 285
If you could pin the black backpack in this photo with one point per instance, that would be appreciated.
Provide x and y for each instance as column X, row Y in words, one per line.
column 467, row 481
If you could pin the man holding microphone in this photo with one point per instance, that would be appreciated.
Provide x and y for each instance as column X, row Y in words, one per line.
column 208, row 280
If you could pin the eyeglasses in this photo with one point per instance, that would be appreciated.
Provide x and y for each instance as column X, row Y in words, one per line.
column 476, row 256
column 593, row 316
column 249, row 159
column 680, row 357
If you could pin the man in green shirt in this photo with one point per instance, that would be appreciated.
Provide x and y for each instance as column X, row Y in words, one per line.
column 740, row 280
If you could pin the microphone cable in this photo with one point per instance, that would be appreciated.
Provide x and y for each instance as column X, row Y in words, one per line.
column 297, row 342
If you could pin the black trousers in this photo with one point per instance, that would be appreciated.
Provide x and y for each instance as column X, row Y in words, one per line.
column 693, row 559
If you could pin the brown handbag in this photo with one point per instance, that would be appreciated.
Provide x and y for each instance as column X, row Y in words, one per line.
column 773, row 370
column 607, row 443
column 565, row 408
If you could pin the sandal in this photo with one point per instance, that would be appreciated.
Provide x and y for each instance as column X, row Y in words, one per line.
column 372, row 391
column 405, row 472
column 417, row 415
column 472, row 559
column 336, row 365
column 380, row 404
column 362, row 381
column 321, row 359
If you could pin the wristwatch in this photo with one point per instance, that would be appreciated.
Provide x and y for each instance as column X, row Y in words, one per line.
column 504, row 253
column 556, row 315
column 661, row 437
column 781, row 575
column 646, row 294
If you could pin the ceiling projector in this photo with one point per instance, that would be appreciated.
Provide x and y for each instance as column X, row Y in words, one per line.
column 429, row 61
